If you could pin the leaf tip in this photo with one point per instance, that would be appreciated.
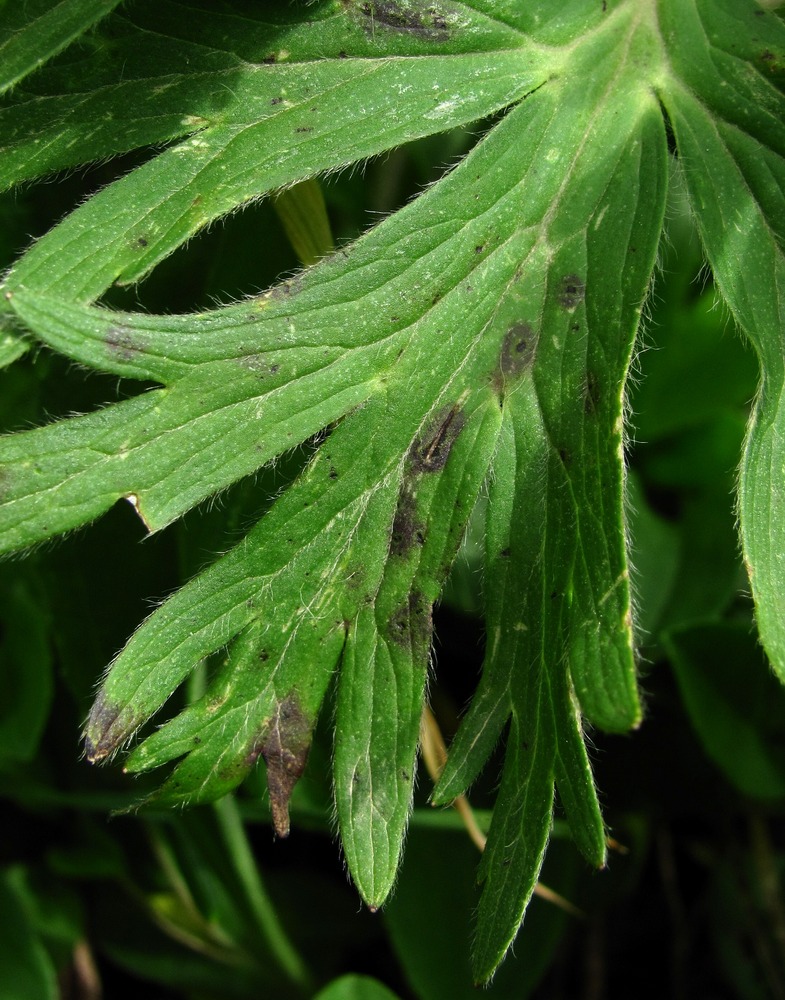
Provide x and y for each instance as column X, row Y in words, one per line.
column 133, row 499
column 102, row 734
column 285, row 747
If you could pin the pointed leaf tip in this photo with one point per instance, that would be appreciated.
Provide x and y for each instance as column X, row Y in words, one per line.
column 287, row 741
column 102, row 734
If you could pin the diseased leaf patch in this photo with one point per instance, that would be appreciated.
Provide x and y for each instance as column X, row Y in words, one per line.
column 285, row 747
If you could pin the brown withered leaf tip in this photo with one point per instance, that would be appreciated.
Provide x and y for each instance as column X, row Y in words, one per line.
column 285, row 751
column 101, row 737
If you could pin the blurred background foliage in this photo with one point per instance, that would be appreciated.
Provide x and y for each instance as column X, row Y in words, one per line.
column 96, row 902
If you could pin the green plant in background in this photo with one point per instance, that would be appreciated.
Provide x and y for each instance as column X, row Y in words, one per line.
column 473, row 345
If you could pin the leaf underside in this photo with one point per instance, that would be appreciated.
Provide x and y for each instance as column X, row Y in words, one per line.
column 477, row 340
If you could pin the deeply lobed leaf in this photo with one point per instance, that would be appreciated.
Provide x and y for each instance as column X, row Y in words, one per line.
column 479, row 338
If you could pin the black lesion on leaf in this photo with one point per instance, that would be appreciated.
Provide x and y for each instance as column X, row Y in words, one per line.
column 102, row 737
column 771, row 62
column 411, row 625
column 572, row 291
column 285, row 746
column 121, row 344
column 414, row 18
column 430, row 452
column 519, row 349
column 407, row 530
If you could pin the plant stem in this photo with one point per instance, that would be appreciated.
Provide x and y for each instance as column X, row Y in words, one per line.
column 267, row 921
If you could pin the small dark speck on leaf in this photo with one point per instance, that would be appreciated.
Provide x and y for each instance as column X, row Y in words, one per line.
column 591, row 396
column 572, row 291
column 276, row 100
column 304, row 128
column 142, row 242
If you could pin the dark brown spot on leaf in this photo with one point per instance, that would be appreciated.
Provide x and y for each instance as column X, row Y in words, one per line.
column 572, row 291
column 407, row 530
column 518, row 352
column 414, row 18
column 285, row 288
column 121, row 343
column 430, row 453
column 411, row 626
column 285, row 747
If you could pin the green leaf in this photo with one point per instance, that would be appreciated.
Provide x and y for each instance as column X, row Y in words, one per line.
column 354, row 987
column 735, row 704
column 477, row 341
column 28, row 670
column 429, row 918
column 733, row 151
column 383, row 672
column 31, row 33
column 25, row 966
